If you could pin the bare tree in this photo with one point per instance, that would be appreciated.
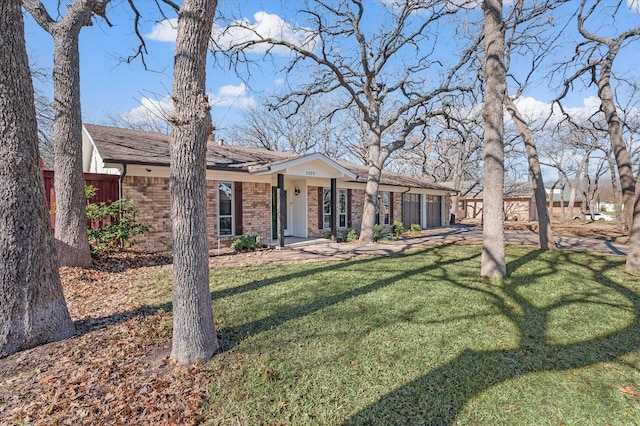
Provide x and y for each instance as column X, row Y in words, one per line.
column 301, row 132
column 493, row 263
column 32, row 306
column 358, row 66
column 45, row 116
column 528, row 26
column 596, row 56
column 194, row 335
column 148, row 124
column 70, row 229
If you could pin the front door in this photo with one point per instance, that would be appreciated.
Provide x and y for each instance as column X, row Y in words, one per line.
column 274, row 213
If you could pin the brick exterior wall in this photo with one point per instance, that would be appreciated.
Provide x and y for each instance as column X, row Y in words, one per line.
column 256, row 209
column 312, row 216
column 151, row 196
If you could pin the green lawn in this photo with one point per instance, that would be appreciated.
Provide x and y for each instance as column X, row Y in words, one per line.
column 420, row 338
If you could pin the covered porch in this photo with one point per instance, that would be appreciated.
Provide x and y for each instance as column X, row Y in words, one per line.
column 290, row 206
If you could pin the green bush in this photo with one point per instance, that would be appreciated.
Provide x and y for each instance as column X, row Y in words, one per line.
column 247, row 242
column 415, row 227
column 119, row 224
column 349, row 235
column 397, row 229
column 377, row 233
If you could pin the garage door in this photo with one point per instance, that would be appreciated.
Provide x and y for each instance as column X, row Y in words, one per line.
column 410, row 210
column 434, row 211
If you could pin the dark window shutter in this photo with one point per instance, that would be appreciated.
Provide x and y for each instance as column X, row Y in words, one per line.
column 391, row 207
column 349, row 195
column 237, row 200
column 320, row 207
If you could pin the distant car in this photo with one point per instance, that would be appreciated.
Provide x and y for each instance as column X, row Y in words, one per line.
column 594, row 217
column 598, row 216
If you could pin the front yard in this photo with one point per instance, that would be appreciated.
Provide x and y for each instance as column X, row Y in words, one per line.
column 417, row 338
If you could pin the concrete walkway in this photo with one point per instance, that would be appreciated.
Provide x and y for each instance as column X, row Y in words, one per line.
column 451, row 235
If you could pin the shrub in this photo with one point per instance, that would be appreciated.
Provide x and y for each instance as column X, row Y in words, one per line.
column 247, row 242
column 118, row 221
column 415, row 227
column 397, row 229
column 349, row 235
column 377, row 232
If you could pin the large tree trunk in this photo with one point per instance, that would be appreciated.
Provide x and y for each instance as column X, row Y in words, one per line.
column 493, row 263
column 71, row 222
column 544, row 224
column 623, row 159
column 71, row 219
column 376, row 160
column 194, row 334
column 32, row 306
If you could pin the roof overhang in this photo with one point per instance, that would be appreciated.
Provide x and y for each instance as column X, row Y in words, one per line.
column 312, row 165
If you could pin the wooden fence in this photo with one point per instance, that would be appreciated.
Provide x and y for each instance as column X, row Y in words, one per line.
column 107, row 188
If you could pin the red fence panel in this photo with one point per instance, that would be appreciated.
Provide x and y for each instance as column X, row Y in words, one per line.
column 106, row 185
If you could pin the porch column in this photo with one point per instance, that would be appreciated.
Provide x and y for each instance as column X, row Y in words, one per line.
column 334, row 209
column 282, row 208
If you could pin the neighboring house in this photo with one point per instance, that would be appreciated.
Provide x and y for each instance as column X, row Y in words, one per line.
column 519, row 203
column 560, row 204
column 243, row 185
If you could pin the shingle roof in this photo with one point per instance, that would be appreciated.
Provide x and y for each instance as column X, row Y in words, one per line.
column 117, row 145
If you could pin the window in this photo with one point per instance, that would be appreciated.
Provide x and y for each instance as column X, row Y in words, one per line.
column 326, row 208
column 342, row 208
column 225, row 208
column 386, row 208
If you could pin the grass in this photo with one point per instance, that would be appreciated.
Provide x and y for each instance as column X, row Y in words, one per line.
column 420, row 338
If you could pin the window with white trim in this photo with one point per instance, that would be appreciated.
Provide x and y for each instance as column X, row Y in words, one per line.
column 342, row 208
column 326, row 208
column 386, row 208
column 225, row 208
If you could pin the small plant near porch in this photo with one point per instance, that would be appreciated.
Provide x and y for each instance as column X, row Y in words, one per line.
column 246, row 243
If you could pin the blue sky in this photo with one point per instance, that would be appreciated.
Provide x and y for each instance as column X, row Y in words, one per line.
column 111, row 86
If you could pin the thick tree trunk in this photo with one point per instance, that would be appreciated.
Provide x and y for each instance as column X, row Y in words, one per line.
column 71, row 222
column 32, row 306
column 493, row 263
column 623, row 159
column 544, row 224
column 376, row 159
column 71, row 219
column 194, row 335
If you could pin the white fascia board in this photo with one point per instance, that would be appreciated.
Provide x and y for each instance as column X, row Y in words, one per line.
column 302, row 166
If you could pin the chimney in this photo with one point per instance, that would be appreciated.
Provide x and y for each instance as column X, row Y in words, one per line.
column 220, row 142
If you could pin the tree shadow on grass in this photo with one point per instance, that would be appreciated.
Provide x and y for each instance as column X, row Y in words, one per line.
column 438, row 397
column 231, row 336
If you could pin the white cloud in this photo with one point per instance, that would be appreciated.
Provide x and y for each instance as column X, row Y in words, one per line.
column 166, row 30
column 233, row 96
column 279, row 81
column 265, row 25
column 537, row 111
column 157, row 110
column 634, row 5
column 150, row 110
